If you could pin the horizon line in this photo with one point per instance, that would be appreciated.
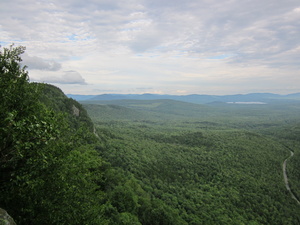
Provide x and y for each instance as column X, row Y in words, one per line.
column 186, row 94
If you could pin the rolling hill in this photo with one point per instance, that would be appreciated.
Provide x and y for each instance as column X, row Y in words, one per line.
column 199, row 99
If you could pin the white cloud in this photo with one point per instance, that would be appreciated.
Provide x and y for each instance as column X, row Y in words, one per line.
column 121, row 44
column 69, row 77
column 34, row 62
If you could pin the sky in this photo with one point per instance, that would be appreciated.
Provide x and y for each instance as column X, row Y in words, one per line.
column 175, row 47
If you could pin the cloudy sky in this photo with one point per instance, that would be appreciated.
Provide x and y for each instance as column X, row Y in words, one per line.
column 158, row 46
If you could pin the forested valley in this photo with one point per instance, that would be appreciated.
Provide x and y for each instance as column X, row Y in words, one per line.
column 210, row 164
column 143, row 161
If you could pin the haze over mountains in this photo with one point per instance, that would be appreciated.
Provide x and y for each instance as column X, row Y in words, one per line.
column 255, row 98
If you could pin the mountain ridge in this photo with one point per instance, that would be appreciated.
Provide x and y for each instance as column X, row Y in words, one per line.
column 192, row 98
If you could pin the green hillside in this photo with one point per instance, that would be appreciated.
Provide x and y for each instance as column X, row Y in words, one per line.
column 234, row 115
column 115, row 112
column 224, row 177
column 149, row 162
column 209, row 173
column 159, row 109
column 212, row 164
column 50, row 170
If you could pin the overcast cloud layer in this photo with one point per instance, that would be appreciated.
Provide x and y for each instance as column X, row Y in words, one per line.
column 157, row 46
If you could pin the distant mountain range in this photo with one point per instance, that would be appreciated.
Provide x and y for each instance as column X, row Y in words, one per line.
column 199, row 99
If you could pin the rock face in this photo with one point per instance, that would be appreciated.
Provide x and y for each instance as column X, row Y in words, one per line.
column 5, row 219
column 75, row 111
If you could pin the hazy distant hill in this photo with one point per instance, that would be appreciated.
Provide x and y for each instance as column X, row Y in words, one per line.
column 115, row 112
column 80, row 97
column 146, row 109
column 295, row 96
column 199, row 99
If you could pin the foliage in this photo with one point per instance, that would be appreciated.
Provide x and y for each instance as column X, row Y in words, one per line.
column 49, row 171
column 54, row 98
column 204, row 170
column 150, row 162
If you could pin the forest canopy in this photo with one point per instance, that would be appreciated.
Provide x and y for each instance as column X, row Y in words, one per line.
column 163, row 162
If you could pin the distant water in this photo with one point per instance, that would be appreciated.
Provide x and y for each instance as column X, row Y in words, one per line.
column 248, row 103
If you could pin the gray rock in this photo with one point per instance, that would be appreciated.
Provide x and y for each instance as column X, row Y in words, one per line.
column 76, row 111
column 6, row 219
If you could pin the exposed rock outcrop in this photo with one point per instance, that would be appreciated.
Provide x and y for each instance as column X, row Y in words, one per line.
column 76, row 111
column 6, row 219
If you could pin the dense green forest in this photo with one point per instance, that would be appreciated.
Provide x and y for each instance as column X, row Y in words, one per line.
column 213, row 164
column 142, row 161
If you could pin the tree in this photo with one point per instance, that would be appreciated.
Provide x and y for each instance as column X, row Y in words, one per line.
column 49, row 173
column 25, row 124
